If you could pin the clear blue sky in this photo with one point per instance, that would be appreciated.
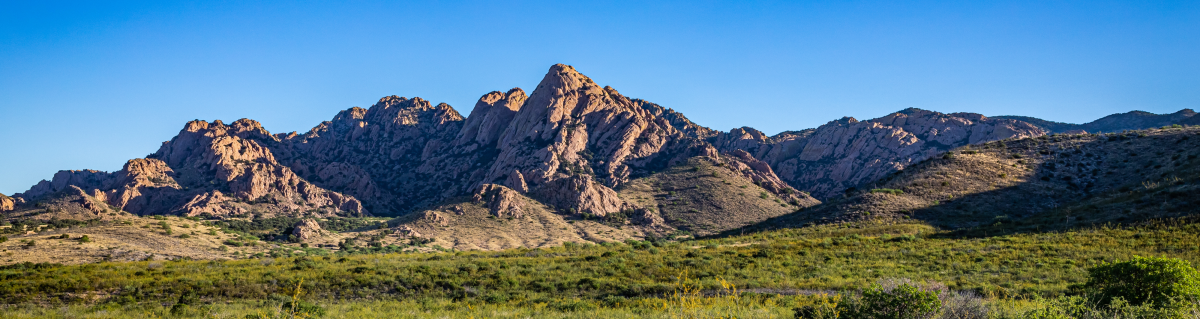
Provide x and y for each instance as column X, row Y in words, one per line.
column 91, row 85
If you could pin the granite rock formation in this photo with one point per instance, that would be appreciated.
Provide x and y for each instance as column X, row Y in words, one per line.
column 844, row 153
column 7, row 203
column 209, row 168
column 569, row 144
column 308, row 230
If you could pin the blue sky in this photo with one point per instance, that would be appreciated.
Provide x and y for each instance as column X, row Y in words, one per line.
column 89, row 85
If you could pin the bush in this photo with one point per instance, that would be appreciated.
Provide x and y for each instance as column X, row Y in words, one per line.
column 85, row 239
column 905, row 301
column 1079, row 307
column 887, row 191
column 1161, row 282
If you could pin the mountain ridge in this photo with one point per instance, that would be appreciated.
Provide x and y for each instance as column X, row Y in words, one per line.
column 570, row 148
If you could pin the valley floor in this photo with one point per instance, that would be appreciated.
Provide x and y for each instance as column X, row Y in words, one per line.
column 762, row 275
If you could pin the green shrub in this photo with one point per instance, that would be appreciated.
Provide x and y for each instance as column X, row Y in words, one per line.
column 1161, row 282
column 887, row 191
column 1079, row 307
column 905, row 301
column 85, row 239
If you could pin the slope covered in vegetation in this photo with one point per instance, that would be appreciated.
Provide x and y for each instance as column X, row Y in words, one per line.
column 781, row 268
column 1034, row 184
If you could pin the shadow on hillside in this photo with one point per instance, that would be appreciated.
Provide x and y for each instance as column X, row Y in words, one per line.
column 1076, row 182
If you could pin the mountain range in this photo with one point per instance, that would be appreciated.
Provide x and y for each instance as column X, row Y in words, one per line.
column 570, row 161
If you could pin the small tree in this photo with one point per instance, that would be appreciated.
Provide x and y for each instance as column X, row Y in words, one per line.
column 1161, row 282
column 85, row 239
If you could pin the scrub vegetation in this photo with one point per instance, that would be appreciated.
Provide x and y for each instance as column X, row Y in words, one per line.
column 769, row 274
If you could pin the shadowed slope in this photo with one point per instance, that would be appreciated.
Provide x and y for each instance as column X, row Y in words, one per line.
column 1049, row 182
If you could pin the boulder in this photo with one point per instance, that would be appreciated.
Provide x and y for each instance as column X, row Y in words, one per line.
column 501, row 201
column 7, row 203
column 308, row 230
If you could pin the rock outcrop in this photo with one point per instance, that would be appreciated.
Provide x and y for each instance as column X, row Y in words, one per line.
column 847, row 152
column 209, row 168
column 7, row 203
column 501, row 201
column 308, row 230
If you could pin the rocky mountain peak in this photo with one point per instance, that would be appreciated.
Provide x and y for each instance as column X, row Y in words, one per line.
column 491, row 115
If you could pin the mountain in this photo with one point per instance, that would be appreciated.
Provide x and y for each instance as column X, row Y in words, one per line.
column 571, row 161
column 1043, row 183
column 844, row 153
column 564, row 150
column 1134, row 120
column 208, row 169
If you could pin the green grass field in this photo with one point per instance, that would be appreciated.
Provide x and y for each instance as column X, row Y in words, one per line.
column 764, row 274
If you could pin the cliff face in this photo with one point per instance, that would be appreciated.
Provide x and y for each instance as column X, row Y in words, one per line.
column 847, row 152
column 570, row 144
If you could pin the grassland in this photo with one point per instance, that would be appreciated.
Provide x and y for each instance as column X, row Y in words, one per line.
column 775, row 271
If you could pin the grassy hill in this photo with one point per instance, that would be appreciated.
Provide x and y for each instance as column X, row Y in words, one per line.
column 476, row 228
column 1047, row 183
column 700, row 197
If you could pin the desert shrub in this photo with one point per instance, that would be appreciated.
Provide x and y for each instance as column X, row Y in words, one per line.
column 85, row 239
column 1079, row 307
column 962, row 305
column 887, row 191
column 824, row 307
column 905, row 301
column 1158, row 281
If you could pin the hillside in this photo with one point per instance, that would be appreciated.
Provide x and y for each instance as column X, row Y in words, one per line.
column 1134, row 120
column 1042, row 183
column 841, row 154
column 704, row 196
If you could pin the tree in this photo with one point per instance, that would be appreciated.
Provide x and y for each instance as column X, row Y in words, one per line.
column 1162, row 282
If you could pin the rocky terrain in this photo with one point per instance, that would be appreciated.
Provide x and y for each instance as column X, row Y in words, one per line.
column 571, row 161
column 568, row 146
column 209, row 169
column 847, row 152
column 1044, row 183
